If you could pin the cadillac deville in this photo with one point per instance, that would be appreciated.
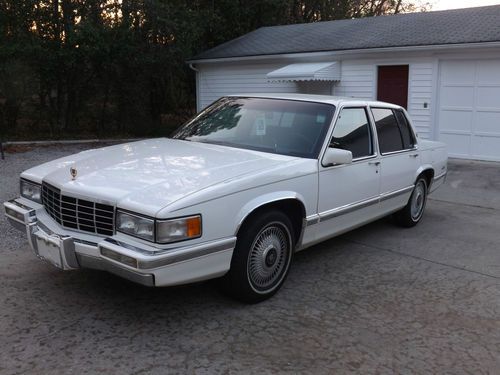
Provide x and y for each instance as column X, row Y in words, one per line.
column 233, row 194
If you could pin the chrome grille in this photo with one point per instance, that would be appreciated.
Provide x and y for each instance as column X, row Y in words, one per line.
column 77, row 213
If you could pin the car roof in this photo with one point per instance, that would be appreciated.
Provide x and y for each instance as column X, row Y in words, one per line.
column 328, row 99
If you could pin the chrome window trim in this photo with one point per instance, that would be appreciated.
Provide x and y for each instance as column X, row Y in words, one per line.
column 399, row 151
column 405, row 113
column 329, row 135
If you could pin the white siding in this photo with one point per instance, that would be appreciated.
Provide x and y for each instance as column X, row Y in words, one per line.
column 421, row 89
column 472, row 130
column 222, row 79
column 357, row 81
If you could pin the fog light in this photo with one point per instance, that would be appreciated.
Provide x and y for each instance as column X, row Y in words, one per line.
column 14, row 214
column 124, row 259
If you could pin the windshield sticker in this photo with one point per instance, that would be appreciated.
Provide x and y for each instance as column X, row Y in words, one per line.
column 260, row 123
column 320, row 118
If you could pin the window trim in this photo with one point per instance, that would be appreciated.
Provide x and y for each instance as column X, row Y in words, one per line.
column 316, row 155
column 415, row 147
column 370, row 130
column 410, row 127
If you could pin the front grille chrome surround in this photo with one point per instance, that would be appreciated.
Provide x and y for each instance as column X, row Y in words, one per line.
column 79, row 214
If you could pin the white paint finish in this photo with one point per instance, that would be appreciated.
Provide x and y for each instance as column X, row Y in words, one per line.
column 397, row 170
column 488, row 122
column 458, row 144
column 457, row 97
column 361, row 174
column 487, row 146
column 358, row 80
column 488, row 72
column 147, row 175
column 457, row 73
column 488, row 96
column 169, row 179
column 469, row 108
column 224, row 79
column 456, row 120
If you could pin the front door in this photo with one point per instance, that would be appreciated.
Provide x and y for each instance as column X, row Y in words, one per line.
column 392, row 86
column 348, row 194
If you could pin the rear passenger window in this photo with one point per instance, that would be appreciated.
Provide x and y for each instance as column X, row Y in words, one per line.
column 352, row 132
column 389, row 135
column 406, row 132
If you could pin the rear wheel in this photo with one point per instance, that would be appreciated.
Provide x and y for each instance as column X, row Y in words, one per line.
column 411, row 214
column 261, row 258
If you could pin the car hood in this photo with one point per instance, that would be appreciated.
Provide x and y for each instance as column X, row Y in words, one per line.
column 148, row 175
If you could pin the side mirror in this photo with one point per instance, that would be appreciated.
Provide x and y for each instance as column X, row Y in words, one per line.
column 336, row 156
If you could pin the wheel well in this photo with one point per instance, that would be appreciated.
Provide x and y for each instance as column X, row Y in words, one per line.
column 428, row 175
column 293, row 208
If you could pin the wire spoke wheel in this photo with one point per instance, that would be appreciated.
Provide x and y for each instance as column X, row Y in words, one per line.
column 269, row 257
column 418, row 200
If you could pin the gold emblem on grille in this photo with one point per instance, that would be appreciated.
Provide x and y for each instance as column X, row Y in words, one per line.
column 73, row 172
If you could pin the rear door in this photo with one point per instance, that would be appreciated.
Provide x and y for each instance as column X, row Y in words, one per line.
column 399, row 156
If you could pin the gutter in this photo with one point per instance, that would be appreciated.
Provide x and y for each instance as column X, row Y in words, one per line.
column 431, row 48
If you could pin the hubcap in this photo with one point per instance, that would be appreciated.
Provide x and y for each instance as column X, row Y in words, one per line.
column 418, row 201
column 269, row 257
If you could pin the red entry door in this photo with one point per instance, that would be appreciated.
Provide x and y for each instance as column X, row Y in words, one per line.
column 393, row 84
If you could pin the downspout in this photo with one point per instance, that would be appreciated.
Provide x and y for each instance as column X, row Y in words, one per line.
column 197, row 71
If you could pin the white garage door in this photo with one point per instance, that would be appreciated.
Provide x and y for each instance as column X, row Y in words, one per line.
column 469, row 108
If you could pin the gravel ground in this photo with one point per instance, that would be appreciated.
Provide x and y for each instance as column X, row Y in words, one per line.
column 376, row 300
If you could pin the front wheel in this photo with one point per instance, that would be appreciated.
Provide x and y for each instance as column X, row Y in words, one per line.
column 261, row 258
column 411, row 214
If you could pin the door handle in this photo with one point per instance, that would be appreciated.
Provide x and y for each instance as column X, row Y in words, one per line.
column 413, row 155
column 374, row 163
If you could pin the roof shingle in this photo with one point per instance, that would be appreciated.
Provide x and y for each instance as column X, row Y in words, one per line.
column 470, row 25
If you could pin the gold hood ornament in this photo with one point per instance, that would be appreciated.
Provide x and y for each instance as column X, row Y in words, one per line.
column 73, row 172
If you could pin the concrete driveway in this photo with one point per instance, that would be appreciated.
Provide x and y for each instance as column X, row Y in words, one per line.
column 380, row 299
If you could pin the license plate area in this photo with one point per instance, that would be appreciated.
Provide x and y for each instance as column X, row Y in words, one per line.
column 54, row 249
column 49, row 249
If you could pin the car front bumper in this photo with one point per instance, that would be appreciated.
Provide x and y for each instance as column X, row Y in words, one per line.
column 148, row 266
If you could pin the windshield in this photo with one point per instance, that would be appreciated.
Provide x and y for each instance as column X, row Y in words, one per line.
column 286, row 127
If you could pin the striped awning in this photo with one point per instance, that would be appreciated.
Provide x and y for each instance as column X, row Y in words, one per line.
column 314, row 71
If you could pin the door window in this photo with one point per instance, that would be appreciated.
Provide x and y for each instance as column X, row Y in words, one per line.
column 406, row 132
column 352, row 133
column 390, row 138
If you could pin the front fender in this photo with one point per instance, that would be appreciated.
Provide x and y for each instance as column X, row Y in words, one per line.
column 262, row 200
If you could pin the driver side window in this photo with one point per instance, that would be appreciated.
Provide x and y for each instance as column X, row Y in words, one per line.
column 352, row 132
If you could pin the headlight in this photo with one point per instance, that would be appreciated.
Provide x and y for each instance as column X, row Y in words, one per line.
column 160, row 231
column 31, row 190
column 180, row 229
column 134, row 225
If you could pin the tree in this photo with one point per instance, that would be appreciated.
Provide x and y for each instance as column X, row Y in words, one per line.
column 118, row 66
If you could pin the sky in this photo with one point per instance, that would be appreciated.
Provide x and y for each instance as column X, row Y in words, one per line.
column 454, row 4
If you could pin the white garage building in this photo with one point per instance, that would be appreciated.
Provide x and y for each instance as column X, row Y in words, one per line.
column 444, row 67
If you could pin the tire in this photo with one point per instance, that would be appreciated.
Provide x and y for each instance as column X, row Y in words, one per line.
column 261, row 258
column 412, row 213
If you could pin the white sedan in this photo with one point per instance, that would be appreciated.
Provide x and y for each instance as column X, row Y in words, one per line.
column 232, row 194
